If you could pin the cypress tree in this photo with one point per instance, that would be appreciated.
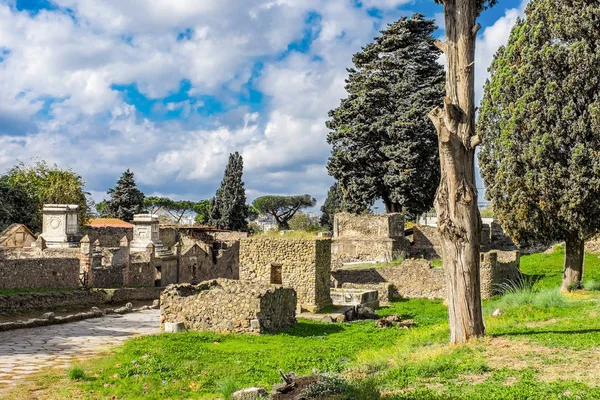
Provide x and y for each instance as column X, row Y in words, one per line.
column 334, row 203
column 540, row 129
column 125, row 199
column 384, row 145
column 228, row 208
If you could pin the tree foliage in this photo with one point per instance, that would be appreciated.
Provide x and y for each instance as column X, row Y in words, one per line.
column 16, row 207
column 384, row 145
column 540, row 124
column 303, row 222
column 175, row 209
column 43, row 184
column 334, row 203
column 126, row 199
column 283, row 208
column 229, row 209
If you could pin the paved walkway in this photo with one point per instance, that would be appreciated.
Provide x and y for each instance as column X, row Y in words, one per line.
column 26, row 351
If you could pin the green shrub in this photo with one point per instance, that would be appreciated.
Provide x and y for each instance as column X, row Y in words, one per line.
column 227, row 387
column 524, row 293
column 592, row 285
column 76, row 373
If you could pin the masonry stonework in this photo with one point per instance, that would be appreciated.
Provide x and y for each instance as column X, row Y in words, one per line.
column 229, row 306
column 416, row 278
column 372, row 237
column 301, row 264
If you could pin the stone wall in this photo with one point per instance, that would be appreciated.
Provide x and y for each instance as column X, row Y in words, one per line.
column 229, row 306
column 169, row 236
column 301, row 264
column 416, row 278
column 107, row 236
column 427, row 242
column 367, row 238
column 386, row 291
column 371, row 226
column 139, row 274
column 52, row 301
column 39, row 273
column 106, row 276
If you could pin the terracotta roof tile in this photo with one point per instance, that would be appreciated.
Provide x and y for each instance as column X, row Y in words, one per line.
column 109, row 223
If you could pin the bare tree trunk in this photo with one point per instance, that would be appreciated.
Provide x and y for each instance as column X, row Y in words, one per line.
column 458, row 217
column 573, row 269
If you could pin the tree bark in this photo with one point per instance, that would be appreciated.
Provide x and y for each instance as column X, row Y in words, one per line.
column 573, row 268
column 458, row 216
column 390, row 206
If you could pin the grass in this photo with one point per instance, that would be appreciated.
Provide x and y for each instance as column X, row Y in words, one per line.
column 545, row 345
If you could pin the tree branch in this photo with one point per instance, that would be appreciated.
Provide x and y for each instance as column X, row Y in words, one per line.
column 440, row 45
column 475, row 29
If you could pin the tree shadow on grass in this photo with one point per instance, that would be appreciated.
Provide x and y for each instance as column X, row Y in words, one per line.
column 552, row 332
column 310, row 329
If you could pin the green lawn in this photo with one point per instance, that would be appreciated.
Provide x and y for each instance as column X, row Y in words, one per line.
column 543, row 346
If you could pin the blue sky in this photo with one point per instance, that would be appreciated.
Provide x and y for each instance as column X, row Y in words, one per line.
column 168, row 88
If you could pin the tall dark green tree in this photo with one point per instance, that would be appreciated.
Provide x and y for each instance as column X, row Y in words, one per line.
column 126, row 199
column 540, row 129
column 334, row 203
column 384, row 145
column 16, row 207
column 229, row 209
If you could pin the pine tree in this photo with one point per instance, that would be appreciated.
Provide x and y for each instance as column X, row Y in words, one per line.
column 229, row 209
column 125, row 199
column 384, row 145
column 334, row 203
column 540, row 129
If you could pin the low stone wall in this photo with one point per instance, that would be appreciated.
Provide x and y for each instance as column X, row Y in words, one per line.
column 416, row 278
column 301, row 264
column 385, row 290
column 139, row 274
column 39, row 273
column 229, row 306
column 106, row 277
column 367, row 250
column 77, row 298
column 107, row 236
column 371, row 226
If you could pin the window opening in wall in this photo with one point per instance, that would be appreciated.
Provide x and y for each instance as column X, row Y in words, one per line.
column 157, row 277
column 276, row 277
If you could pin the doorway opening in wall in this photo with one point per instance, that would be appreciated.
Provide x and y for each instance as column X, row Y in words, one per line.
column 276, row 277
column 158, row 277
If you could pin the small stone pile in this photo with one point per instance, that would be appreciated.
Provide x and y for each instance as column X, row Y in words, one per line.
column 395, row 320
column 229, row 306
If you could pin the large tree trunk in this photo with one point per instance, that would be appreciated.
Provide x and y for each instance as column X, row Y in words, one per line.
column 573, row 268
column 458, row 217
column 390, row 206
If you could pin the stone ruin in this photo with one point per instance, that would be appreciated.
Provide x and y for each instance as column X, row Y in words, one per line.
column 60, row 226
column 229, row 306
column 301, row 264
column 368, row 238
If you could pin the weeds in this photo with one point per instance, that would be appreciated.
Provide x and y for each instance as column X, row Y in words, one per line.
column 227, row 387
column 76, row 373
column 592, row 285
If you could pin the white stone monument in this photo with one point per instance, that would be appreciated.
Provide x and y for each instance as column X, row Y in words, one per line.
column 60, row 225
column 146, row 230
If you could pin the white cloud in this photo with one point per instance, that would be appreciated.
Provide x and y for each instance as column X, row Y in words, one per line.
column 58, row 102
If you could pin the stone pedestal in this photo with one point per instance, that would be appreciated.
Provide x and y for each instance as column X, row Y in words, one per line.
column 146, row 230
column 60, row 226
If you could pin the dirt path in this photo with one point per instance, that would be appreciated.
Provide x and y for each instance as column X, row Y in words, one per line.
column 26, row 351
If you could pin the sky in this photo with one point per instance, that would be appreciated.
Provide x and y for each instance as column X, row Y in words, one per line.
column 169, row 88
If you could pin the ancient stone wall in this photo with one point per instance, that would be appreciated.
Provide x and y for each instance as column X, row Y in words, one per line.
column 301, row 264
column 169, row 236
column 168, row 270
column 416, row 278
column 138, row 274
column 364, row 238
column 52, row 301
column 106, row 276
column 427, row 242
column 39, row 273
column 229, row 236
column 386, row 291
column 107, row 236
column 371, row 226
column 229, row 306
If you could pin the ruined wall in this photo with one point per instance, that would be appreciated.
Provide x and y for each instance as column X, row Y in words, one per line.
column 231, row 236
column 348, row 225
column 39, row 273
column 416, row 278
column 168, row 270
column 77, row 298
column 373, row 237
column 301, row 264
column 386, row 291
column 427, row 242
column 169, row 236
column 107, row 236
column 106, row 276
column 139, row 274
column 229, row 306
